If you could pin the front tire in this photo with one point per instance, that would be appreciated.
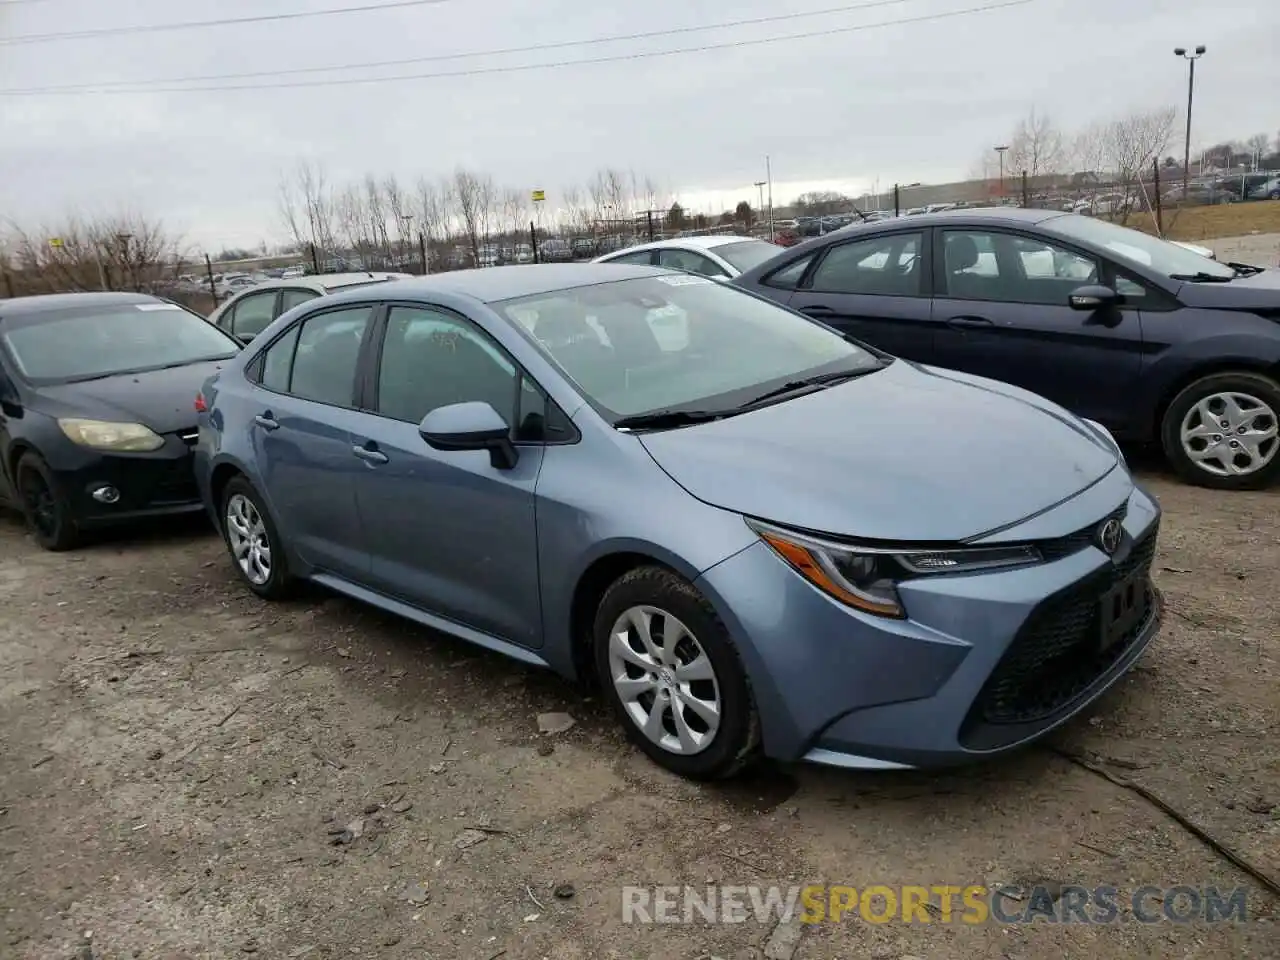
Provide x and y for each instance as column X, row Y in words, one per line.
column 1221, row 431
column 46, row 510
column 253, row 542
column 673, row 676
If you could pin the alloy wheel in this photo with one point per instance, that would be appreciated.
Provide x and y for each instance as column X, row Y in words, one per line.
column 248, row 539
column 1230, row 434
column 664, row 680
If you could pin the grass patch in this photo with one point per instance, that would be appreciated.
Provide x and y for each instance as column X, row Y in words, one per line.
column 1211, row 222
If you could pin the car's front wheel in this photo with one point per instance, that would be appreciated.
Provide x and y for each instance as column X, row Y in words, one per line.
column 47, row 512
column 253, row 542
column 1221, row 431
column 672, row 674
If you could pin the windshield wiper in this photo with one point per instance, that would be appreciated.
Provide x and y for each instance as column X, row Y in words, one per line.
column 1200, row 277
column 669, row 419
column 1244, row 269
column 821, row 380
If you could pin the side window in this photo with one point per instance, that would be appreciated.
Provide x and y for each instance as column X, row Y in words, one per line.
column 324, row 365
column 431, row 359
column 880, row 266
column 1005, row 268
column 253, row 314
column 690, row 262
column 293, row 296
column 640, row 256
column 277, row 361
column 789, row 277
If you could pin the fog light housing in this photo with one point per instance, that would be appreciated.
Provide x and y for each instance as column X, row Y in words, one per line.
column 105, row 493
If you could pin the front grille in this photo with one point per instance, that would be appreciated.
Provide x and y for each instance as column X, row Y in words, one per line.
column 1056, row 656
column 1075, row 542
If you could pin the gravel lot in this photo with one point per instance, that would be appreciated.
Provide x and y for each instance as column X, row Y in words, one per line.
column 178, row 761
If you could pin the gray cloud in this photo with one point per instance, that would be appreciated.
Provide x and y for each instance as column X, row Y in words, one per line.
column 911, row 102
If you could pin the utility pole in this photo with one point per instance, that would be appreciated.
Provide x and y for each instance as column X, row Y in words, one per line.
column 213, row 287
column 768, row 179
column 1191, row 59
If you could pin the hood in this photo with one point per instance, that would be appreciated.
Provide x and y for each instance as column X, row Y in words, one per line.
column 906, row 454
column 1258, row 292
column 163, row 400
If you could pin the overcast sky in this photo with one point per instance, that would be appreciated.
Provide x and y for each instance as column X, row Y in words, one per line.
column 909, row 102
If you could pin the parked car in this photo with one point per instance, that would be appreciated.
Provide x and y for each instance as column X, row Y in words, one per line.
column 1152, row 340
column 805, row 548
column 555, row 250
column 96, row 422
column 721, row 255
column 248, row 314
column 583, row 248
column 1268, row 189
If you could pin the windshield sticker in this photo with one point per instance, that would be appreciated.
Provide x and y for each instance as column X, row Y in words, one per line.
column 683, row 281
column 157, row 306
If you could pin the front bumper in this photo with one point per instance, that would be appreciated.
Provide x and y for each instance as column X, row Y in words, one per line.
column 156, row 484
column 986, row 663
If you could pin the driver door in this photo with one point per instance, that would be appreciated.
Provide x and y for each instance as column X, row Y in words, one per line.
column 1001, row 311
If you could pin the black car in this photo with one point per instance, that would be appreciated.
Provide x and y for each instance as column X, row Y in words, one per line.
column 97, row 408
column 1150, row 339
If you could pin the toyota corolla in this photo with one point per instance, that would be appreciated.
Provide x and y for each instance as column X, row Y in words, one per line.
column 757, row 535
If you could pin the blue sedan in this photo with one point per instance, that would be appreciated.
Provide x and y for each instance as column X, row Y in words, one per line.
column 756, row 535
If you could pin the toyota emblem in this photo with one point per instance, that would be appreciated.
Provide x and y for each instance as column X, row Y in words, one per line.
column 1109, row 534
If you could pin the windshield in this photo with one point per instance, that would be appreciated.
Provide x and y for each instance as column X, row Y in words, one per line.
column 749, row 253
column 90, row 342
column 1140, row 248
column 677, row 342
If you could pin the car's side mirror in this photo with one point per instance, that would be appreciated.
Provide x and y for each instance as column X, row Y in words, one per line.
column 1093, row 297
column 474, row 425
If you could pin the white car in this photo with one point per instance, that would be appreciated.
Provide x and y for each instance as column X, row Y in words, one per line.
column 248, row 313
column 719, row 256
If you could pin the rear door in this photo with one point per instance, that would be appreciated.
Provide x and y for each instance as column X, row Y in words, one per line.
column 1002, row 311
column 876, row 290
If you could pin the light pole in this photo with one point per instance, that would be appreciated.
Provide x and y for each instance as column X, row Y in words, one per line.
column 1000, row 153
column 1191, row 59
column 768, row 179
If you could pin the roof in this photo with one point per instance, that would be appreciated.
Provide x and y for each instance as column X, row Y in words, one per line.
column 492, row 284
column 705, row 242
column 48, row 303
column 323, row 282
column 964, row 215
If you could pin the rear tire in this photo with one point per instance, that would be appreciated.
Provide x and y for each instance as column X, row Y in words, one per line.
column 1221, row 431
column 257, row 552
column 47, row 512
column 673, row 677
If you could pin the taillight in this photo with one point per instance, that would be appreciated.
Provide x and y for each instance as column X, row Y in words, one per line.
column 201, row 406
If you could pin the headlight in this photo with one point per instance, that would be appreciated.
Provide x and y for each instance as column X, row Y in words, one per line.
column 867, row 577
column 119, row 437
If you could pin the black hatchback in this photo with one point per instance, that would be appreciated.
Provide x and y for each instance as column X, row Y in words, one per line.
column 97, row 408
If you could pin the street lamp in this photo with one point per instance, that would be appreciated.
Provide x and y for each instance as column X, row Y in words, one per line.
column 1000, row 153
column 1191, row 59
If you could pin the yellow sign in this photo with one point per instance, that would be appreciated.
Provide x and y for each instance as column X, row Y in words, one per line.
column 55, row 242
column 539, row 195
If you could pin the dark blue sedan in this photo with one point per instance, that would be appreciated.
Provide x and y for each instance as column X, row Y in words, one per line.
column 1146, row 337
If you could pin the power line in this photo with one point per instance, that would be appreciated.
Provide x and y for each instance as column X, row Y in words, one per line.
column 201, row 24
column 502, row 51
column 479, row 71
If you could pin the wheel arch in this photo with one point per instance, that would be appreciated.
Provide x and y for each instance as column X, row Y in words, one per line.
column 1254, row 365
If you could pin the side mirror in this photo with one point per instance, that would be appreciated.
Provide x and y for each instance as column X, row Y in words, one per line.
column 474, row 425
column 1093, row 297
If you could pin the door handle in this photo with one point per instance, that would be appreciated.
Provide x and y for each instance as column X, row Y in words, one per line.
column 969, row 322
column 818, row 311
column 266, row 421
column 370, row 454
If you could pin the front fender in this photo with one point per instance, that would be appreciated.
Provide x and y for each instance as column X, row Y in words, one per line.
column 1175, row 367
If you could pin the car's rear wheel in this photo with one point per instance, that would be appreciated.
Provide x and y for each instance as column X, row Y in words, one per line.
column 47, row 512
column 1222, row 431
column 253, row 541
column 672, row 674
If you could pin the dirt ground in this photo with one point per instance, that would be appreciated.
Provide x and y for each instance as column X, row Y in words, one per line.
column 178, row 761
column 1217, row 220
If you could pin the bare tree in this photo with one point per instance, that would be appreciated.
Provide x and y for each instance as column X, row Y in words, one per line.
column 1036, row 146
column 307, row 206
column 1130, row 146
column 578, row 209
column 515, row 219
column 1257, row 146
column 475, row 198
column 434, row 209
column 122, row 252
